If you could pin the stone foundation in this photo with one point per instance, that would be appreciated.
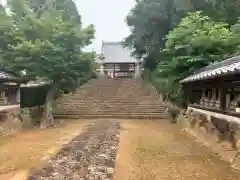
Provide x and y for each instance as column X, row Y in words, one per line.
column 221, row 136
column 224, row 131
column 14, row 119
column 32, row 116
column 10, row 121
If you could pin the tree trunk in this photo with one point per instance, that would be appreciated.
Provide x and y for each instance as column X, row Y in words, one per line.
column 48, row 119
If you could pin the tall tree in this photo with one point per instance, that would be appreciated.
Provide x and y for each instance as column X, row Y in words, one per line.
column 67, row 8
column 48, row 45
column 195, row 43
column 151, row 20
column 221, row 10
column 5, row 31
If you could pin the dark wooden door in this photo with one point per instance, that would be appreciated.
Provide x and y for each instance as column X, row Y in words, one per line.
column 124, row 67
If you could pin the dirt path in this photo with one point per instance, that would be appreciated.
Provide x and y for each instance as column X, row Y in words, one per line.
column 157, row 150
column 27, row 150
column 148, row 150
column 90, row 156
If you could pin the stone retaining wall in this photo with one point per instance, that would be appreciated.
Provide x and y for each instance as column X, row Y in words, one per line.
column 10, row 121
column 221, row 136
column 14, row 119
column 222, row 130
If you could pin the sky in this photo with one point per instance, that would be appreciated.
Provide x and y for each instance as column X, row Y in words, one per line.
column 108, row 17
column 3, row 2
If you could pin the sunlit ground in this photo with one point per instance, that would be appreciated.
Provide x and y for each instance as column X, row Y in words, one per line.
column 25, row 151
column 157, row 150
column 148, row 150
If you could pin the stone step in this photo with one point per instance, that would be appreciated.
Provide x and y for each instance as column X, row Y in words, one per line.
column 128, row 97
column 108, row 110
column 110, row 113
column 132, row 101
column 91, row 116
column 136, row 102
column 114, row 97
column 111, row 106
column 126, row 104
column 139, row 107
column 113, row 93
column 144, row 103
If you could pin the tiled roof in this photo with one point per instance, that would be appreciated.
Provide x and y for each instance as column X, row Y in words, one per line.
column 5, row 75
column 228, row 66
column 114, row 52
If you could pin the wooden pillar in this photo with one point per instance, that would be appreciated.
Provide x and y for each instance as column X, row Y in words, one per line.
column 101, row 69
column 114, row 76
column 202, row 99
column 186, row 90
column 18, row 94
column 223, row 98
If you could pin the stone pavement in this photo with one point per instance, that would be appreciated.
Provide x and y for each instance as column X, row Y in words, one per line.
column 90, row 156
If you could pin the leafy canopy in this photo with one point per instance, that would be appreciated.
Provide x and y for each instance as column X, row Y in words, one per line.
column 195, row 43
column 45, row 38
column 46, row 44
column 151, row 20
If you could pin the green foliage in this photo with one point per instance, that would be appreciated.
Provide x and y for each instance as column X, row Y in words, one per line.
column 234, row 39
column 45, row 38
column 170, row 89
column 47, row 45
column 195, row 43
column 227, row 11
column 151, row 20
column 175, row 45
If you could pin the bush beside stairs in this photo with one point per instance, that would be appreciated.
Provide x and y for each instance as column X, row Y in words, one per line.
column 108, row 98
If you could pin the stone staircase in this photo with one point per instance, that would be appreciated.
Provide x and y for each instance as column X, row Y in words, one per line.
column 108, row 98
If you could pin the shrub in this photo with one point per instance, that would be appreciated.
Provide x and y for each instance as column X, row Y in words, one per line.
column 193, row 122
column 173, row 114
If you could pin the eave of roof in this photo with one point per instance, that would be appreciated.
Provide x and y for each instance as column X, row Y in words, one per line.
column 229, row 66
column 6, row 76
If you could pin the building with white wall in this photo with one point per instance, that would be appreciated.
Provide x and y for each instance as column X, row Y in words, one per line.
column 117, row 61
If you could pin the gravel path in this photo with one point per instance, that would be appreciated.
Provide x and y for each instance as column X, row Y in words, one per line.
column 90, row 156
